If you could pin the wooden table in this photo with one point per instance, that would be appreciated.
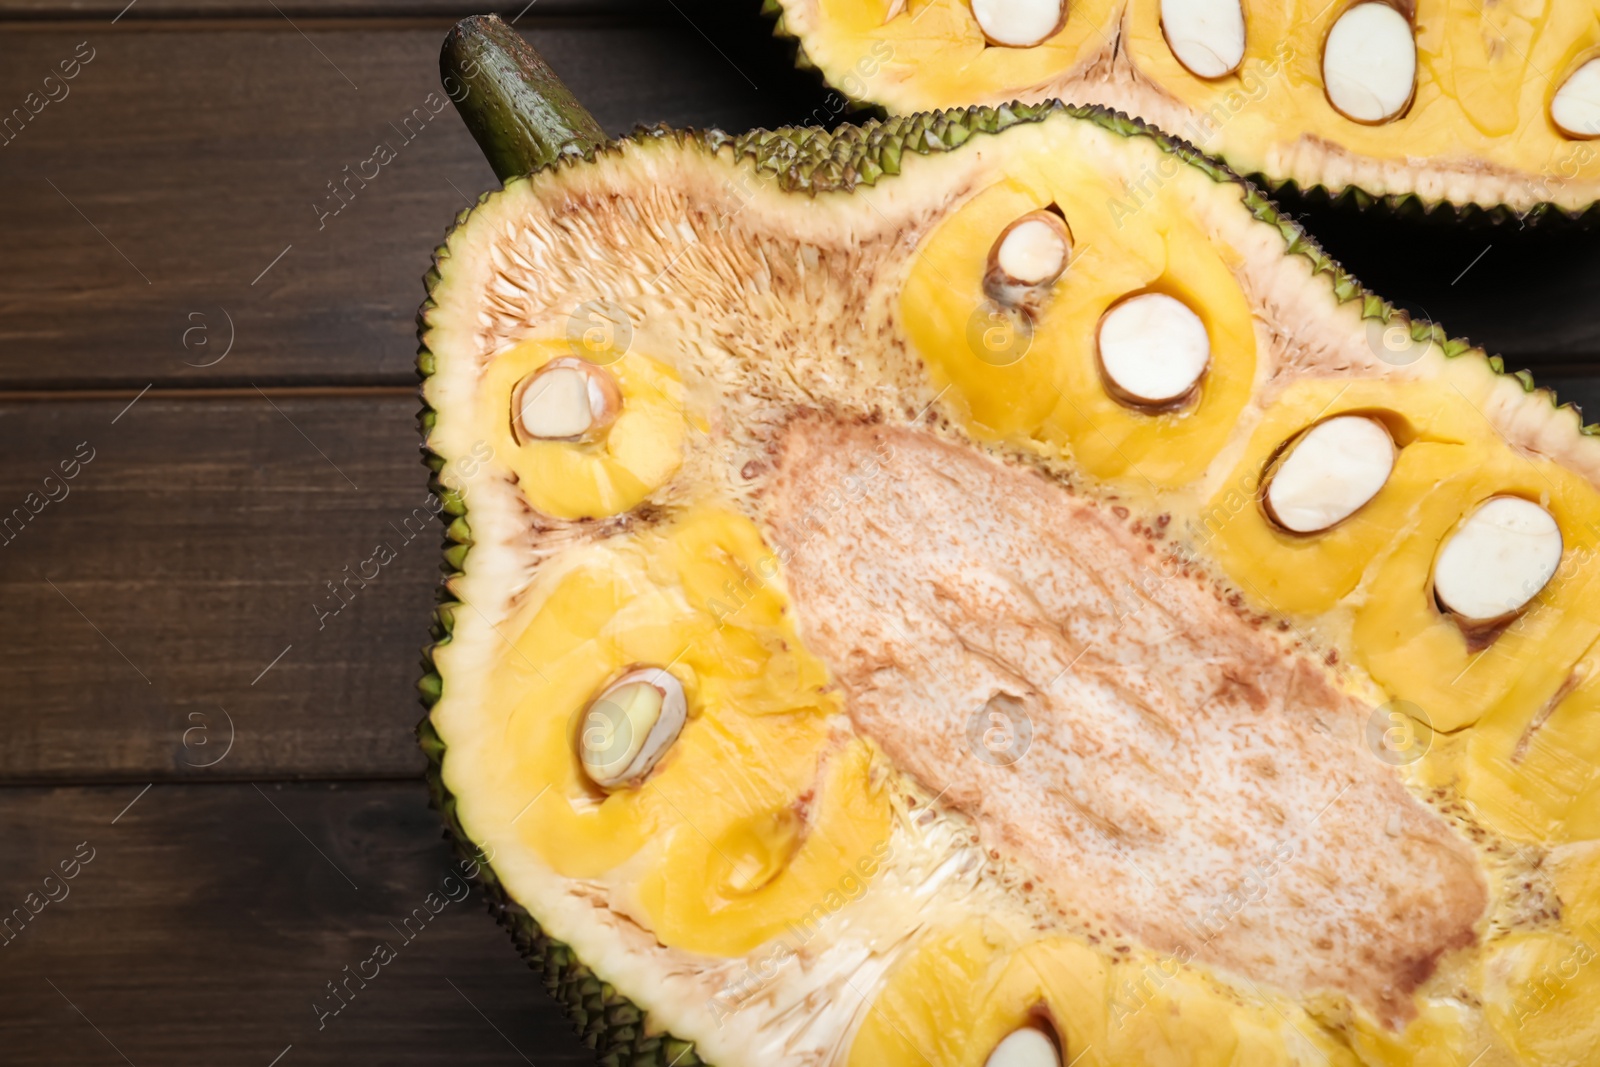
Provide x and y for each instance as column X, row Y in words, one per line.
column 226, row 368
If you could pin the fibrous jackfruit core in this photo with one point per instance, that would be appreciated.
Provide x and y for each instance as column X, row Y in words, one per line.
column 1168, row 767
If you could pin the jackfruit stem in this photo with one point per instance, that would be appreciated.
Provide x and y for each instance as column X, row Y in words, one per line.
column 519, row 112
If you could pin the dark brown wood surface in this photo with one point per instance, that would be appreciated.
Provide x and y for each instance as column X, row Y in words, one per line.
column 168, row 616
column 230, row 380
column 144, row 10
column 184, row 180
column 209, row 919
column 194, row 550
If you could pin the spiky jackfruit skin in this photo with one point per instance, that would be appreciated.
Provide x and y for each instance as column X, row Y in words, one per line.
column 805, row 162
column 608, row 1022
column 859, row 81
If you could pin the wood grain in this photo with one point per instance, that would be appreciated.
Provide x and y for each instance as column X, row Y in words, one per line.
column 149, row 10
column 210, row 919
column 186, row 179
column 195, row 547
column 184, row 558
column 171, row 595
column 178, row 214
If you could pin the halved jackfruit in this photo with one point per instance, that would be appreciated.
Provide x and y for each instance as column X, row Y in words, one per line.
column 1417, row 102
column 1027, row 633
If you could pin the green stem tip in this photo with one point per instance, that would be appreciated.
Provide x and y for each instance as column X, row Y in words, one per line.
column 520, row 113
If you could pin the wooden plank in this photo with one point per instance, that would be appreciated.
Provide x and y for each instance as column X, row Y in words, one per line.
column 147, row 10
column 177, row 592
column 193, row 547
column 178, row 209
column 208, row 920
column 280, row 122
column 186, row 178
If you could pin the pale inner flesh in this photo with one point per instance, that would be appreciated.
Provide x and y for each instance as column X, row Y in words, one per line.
column 1165, row 768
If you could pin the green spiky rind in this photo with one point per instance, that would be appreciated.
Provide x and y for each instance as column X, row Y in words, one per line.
column 815, row 160
column 1400, row 205
column 1413, row 208
column 608, row 1022
column 812, row 161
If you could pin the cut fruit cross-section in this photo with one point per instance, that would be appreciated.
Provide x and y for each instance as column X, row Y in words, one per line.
column 1576, row 107
column 1033, row 250
column 1502, row 556
column 1027, row 259
column 1450, row 106
column 567, row 400
column 1028, row 1047
column 1019, row 23
column 629, row 726
column 1329, row 474
column 1369, row 64
column 861, row 698
column 1153, row 351
column 1207, row 36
